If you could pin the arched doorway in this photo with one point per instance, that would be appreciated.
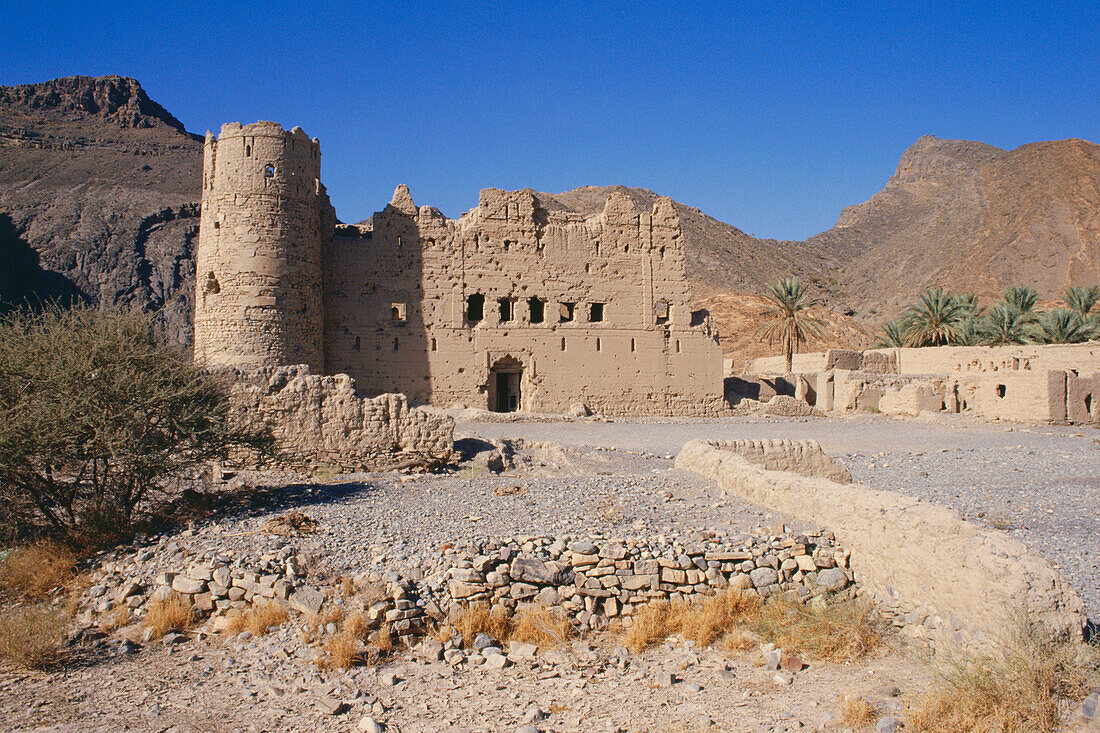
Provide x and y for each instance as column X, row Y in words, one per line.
column 505, row 377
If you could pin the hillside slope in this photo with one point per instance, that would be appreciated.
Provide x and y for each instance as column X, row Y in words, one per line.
column 99, row 189
column 972, row 217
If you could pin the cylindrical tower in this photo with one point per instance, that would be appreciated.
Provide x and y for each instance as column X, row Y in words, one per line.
column 265, row 221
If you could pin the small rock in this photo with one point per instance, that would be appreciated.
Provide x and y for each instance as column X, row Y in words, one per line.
column 483, row 641
column 534, row 714
column 783, row 678
column 331, row 705
column 886, row 725
column 389, row 678
column 666, row 679
column 793, row 663
column 370, row 725
column 172, row 638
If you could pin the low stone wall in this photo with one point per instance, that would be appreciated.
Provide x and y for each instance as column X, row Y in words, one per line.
column 591, row 580
column 319, row 421
column 803, row 457
column 912, row 555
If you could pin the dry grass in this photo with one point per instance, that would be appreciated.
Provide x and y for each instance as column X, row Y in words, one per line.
column 477, row 618
column 838, row 632
column 115, row 620
column 35, row 571
column 171, row 613
column 258, row 620
column 1019, row 690
column 341, row 651
column 31, row 636
column 541, row 626
column 703, row 621
column 354, row 644
column 856, row 712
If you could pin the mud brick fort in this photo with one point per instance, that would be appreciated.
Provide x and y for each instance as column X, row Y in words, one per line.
column 511, row 307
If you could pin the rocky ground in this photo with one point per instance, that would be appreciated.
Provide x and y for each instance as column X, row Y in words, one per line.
column 1042, row 483
column 609, row 479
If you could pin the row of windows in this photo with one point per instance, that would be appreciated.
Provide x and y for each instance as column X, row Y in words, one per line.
column 536, row 310
column 599, row 345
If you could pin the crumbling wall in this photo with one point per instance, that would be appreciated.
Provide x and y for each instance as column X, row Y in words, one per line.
column 803, row 457
column 321, row 421
column 909, row 553
column 593, row 310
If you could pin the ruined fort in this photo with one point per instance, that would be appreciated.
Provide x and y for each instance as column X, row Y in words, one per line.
column 512, row 307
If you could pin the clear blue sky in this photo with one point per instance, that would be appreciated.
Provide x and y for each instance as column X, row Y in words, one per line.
column 770, row 116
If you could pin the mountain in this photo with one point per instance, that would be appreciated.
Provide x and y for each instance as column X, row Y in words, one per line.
column 975, row 218
column 99, row 202
column 99, row 191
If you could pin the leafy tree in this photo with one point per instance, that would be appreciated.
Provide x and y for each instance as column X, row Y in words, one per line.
column 1023, row 298
column 1003, row 324
column 786, row 318
column 1062, row 326
column 99, row 420
column 936, row 319
column 1080, row 300
column 890, row 335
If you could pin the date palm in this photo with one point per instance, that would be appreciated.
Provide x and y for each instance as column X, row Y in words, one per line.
column 1081, row 299
column 1062, row 326
column 936, row 319
column 891, row 335
column 787, row 318
column 1023, row 298
column 1003, row 325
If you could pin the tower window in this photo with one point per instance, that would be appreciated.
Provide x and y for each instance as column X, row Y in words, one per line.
column 537, row 309
column 595, row 313
column 269, row 170
column 475, row 307
column 597, row 344
column 563, row 343
column 397, row 312
column 357, row 343
column 661, row 310
column 396, row 343
column 632, row 346
column 248, row 151
column 433, row 344
column 505, row 309
column 565, row 311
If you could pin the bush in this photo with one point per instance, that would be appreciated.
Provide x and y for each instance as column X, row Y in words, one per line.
column 99, row 421
column 35, row 571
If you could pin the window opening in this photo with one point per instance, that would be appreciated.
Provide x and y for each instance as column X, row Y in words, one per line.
column 595, row 314
column 632, row 346
column 397, row 312
column 357, row 343
column 396, row 343
column 565, row 311
column 433, row 344
column 597, row 343
column 269, row 170
column 505, row 309
column 537, row 308
column 662, row 311
column 563, row 343
column 475, row 308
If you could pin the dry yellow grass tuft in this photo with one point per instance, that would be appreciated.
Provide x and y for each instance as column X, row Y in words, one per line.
column 350, row 648
column 35, row 571
column 170, row 613
column 31, row 636
column 702, row 621
column 341, row 651
column 856, row 712
column 541, row 626
column 117, row 619
column 477, row 618
column 1021, row 689
column 837, row 632
column 258, row 619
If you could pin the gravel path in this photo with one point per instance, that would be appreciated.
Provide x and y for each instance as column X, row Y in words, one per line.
column 1042, row 483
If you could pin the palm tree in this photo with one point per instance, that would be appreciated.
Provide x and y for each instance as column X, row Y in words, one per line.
column 969, row 303
column 1062, row 326
column 1003, row 325
column 787, row 319
column 1023, row 298
column 1081, row 299
column 936, row 319
column 890, row 335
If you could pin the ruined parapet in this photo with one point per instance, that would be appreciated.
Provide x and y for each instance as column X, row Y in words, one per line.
column 803, row 457
column 319, row 421
column 265, row 220
column 914, row 556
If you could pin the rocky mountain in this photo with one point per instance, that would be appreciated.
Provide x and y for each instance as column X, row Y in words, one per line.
column 99, row 189
column 974, row 218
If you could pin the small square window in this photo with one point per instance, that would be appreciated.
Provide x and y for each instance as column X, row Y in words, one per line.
column 565, row 311
column 397, row 312
column 505, row 309
column 595, row 312
column 537, row 309
column 475, row 308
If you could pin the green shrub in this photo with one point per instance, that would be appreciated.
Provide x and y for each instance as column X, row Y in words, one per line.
column 99, row 422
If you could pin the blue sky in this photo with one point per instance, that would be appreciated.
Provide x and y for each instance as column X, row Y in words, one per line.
column 770, row 116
